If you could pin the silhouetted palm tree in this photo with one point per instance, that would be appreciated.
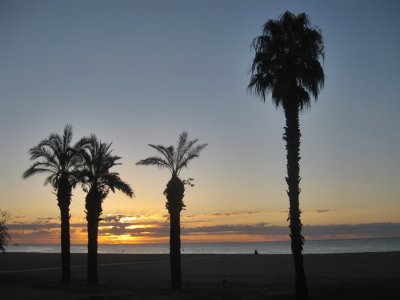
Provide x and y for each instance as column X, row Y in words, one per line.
column 56, row 157
column 175, row 160
column 287, row 63
column 97, row 181
column 4, row 235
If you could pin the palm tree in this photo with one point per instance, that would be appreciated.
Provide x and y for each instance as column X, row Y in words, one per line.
column 4, row 235
column 287, row 64
column 97, row 181
column 56, row 157
column 175, row 160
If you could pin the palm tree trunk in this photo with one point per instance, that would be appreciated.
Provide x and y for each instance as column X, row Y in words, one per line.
column 292, row 137
column 65, row 246
column 92, row 273
column 64, row 200
column 175, row 249
column 175, row 192
column 93, row 212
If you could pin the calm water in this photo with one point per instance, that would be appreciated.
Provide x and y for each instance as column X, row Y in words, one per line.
column 311, row 247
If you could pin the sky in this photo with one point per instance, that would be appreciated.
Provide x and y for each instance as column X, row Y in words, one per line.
column 140, row 72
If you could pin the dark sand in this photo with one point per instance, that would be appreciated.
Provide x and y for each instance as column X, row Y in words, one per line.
column 334, row 276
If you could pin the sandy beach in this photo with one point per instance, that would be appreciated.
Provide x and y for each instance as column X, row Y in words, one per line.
column 334, row 276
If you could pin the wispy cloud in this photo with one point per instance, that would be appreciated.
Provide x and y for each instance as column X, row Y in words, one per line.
column 223, row 214
column 320, row 211
column 315, row 211
column 48, row 220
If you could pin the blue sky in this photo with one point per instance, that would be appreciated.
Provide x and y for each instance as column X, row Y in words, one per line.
column 139, row 72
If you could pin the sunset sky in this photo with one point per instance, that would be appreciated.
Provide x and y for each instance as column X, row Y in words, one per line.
column 140, row 72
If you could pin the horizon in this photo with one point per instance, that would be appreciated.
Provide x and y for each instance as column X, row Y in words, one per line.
column 213, row 242
column 139, row 73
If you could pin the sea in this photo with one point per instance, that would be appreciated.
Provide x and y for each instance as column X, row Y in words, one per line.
column 310, row 247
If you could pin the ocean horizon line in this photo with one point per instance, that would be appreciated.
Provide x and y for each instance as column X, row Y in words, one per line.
column 280, row 247
column 228, row 242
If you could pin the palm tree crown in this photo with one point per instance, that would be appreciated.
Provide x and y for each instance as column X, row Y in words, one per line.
column 97, row 161
column 174, row 159
column 286, row 61
column 57, row 158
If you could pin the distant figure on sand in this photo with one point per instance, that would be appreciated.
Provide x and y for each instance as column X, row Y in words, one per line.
column 255, row 252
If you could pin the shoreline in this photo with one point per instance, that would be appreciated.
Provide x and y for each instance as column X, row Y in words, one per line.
column 243, row 276
column 311, row 247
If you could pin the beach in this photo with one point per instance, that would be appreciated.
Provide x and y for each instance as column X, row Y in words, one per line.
column 128, row 276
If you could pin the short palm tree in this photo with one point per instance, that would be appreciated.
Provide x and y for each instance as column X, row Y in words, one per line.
column 175, row 160
column 4, row 235
column 56, row 157
column 287, row 64
column 97, row 181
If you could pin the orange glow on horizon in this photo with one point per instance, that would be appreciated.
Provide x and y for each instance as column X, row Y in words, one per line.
column 54, row 238
column 213, row 227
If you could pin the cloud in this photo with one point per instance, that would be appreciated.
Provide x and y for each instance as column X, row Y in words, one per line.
column 320, row 211
column 374, row 230
column 224, row 214
column 235, row 213
column 150, row 227
column 240, row 229
column 159, row 229
column 364, row 230
column 113, row 218
column 32, row 226
column 48, row 220
column 317, row 211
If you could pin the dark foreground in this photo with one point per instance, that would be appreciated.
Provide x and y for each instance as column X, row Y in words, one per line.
column 334, row 276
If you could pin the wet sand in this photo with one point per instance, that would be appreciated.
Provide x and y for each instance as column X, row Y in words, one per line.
column 332, row 276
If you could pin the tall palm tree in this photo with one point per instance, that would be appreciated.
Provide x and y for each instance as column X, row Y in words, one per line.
column 56, row 157
column 97, row 181
column 175, row 160
column 287, row 64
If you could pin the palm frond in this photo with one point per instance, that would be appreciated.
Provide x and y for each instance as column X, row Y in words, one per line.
column 82, row 143
column 190, row 154
column 55, row 156
column 55, row 143
column 42, row 151
column 184, row 149
column 174, row 160
column 182, row 142
column 97, row 160
column 38, row 168
column 114, row 182
column 167, row 152
column 67, row 137
column 154, row 161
